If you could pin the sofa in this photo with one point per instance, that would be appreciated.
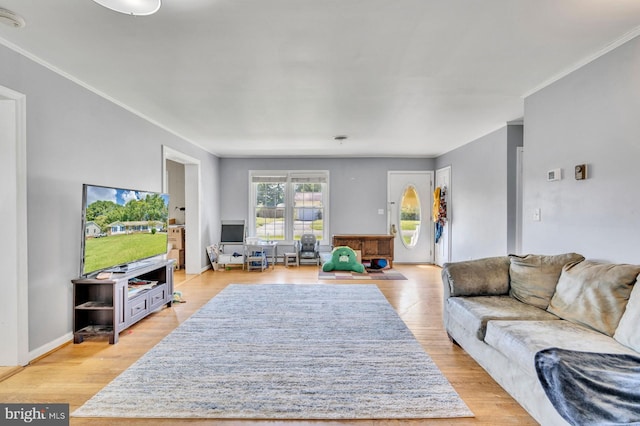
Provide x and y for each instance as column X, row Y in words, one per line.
column 513, row 314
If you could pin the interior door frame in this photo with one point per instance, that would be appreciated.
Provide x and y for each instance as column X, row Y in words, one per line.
column 519, row 197
column 15, row 321
column 193, row 252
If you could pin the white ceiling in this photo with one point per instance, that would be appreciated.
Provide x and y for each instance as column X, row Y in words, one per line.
column 283, row 77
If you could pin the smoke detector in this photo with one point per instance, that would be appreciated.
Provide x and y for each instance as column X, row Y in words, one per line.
column 11, row 19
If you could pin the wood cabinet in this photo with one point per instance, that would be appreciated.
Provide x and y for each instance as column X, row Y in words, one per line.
column 370, row 246
column 105, row 307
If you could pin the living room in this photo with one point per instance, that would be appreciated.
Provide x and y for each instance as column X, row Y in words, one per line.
column 73, row 136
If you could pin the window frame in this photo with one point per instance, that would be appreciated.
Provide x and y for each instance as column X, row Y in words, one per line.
column 290, row 177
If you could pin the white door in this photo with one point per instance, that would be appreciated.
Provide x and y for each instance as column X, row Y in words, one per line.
column 13, row 214
column 408, row 213
column 442, row 238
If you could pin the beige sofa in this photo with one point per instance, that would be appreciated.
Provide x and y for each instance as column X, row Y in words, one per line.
column 504, row 310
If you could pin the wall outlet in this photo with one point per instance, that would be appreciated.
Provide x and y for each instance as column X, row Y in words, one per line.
column 536, row 215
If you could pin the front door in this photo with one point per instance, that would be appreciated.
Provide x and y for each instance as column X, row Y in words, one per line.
column 408, row 213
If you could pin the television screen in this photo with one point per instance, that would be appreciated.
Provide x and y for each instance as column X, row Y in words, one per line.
column 121, row 226
column 232, row 232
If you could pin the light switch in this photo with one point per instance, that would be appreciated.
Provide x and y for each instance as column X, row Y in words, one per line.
column 380, row 211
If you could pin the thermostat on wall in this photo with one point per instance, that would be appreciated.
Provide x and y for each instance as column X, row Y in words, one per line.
column 555, row 174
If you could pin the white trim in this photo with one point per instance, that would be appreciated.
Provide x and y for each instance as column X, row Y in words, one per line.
column 519, row 197
column 447, row 171
column 192, row 193
column 92, row 89
column 608, row 48
column 21, row 290
column 289, row 195
column 54, row 344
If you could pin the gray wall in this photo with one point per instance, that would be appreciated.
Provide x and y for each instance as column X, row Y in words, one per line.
column 73, row 137
column 590, row 116
column 358, row 187
column 482, row 204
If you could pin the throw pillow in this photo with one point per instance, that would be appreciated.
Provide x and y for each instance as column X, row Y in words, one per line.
column 533, row 278
column 628, row 332
column 594, row 294
column 343, row 259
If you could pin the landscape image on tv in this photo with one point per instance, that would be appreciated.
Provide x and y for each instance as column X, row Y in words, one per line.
column 122, row 226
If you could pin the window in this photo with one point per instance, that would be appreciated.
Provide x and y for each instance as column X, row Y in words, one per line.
column 286, row 204
column 410, row 217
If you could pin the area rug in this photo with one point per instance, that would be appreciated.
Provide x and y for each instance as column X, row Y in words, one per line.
column 282, row 351
column 380, row 274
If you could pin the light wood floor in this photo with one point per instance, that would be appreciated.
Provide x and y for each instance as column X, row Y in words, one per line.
column 74, row 373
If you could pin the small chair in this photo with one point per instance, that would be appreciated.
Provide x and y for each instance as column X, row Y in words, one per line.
column 255, row 259
column 309, row 249
column 292, row 257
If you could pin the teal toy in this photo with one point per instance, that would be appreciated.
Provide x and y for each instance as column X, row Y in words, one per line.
column 343, row 259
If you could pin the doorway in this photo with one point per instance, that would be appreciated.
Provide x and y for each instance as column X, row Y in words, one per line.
column 408, row 200
column 193, row 253
column 14, row 316
column 442, row 242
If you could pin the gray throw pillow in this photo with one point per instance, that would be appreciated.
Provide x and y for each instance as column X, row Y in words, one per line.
column 628, row 331
column 594, row 294
column 534, row 277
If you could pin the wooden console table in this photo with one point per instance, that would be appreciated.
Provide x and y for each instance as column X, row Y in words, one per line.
column 370, row 246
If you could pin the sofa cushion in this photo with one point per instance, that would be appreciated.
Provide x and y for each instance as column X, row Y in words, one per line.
column 628, row 331
column 534, row 277
column 520, row 340
column 473, row 313
column 481, row 277
column 594, row 294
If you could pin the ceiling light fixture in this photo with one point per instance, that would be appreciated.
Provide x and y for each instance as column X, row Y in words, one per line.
column 11, row 19
column 132, row 7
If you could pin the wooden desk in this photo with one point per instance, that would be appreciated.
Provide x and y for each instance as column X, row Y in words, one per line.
column 370, row 246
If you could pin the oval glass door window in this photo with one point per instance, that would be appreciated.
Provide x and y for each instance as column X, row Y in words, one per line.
column 410, row 217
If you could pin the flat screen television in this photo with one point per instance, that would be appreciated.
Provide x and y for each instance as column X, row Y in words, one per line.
column 121, row 228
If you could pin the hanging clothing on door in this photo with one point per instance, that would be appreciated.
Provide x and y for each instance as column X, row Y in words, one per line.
column 439, row 210
column 436, row 204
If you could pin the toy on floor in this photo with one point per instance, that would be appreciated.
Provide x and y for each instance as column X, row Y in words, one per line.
column 177, row 297
column 343, row 259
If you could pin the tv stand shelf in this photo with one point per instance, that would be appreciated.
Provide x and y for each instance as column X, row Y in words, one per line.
column 105, row 307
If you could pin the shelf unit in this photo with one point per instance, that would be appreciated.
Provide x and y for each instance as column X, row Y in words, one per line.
column 107, row 307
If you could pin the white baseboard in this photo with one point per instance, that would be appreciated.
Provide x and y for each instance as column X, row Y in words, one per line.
column 36, row 353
